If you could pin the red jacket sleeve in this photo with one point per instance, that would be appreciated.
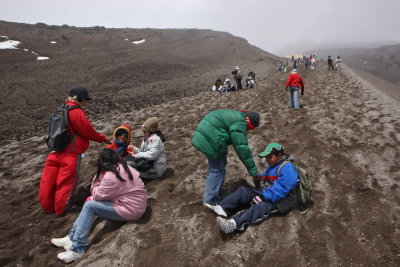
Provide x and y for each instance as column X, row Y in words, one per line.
column 82, row 126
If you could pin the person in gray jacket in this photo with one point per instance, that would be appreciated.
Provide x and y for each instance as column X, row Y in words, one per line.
column 152, row 149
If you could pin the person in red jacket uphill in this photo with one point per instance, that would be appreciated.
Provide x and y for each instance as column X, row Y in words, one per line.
column 294, row 83
column 60, row 173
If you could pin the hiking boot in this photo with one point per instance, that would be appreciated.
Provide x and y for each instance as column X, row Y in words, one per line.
column 226, row 226
column 217, row 209
column 69, row 256
column 63, row 242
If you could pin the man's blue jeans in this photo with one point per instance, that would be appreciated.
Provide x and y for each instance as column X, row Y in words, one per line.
column 215, row 180
column 83, row 224
column 294, row 97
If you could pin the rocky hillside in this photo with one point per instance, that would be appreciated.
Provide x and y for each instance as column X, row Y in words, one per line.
column 347, row 135
column 124, row 69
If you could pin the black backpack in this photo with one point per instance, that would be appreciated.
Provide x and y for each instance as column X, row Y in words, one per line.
column 58, row 137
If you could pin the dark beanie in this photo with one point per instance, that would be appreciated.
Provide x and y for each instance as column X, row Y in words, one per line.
column 254, row 117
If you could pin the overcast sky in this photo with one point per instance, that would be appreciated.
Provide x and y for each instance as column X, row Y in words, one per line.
column 276, row 26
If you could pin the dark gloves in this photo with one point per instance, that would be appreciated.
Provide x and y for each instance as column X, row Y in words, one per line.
column 286, row 88
column 302, row 93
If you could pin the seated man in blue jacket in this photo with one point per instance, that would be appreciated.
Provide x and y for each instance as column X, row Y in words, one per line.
column 280, row 196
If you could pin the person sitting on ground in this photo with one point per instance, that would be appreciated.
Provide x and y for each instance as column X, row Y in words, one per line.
column 217, row 85
column 279, row 197
column 252, row 74
column 227, row 86
column 151, row 149
column 118, row 194
column 122, row 139
column 249, row 82
column 294, row 83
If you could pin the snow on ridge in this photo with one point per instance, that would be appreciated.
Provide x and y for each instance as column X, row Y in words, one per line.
column 3, row 36
column 10, row 44
column 42, row 58
column 53, row 42
column 138, row 42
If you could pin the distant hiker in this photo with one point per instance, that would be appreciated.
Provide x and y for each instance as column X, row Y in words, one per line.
column 217, row 85
column 237, row 76
column 60, row 173
column 330, row 63
column 338, row 63
column 122, row 139
column 249, row 83
column 294, row 83
column 152, row 150
column 279, row 197
column 214, row 133
column 118, row 194
column 252, row 74
column 295, row 64
column 227, row 86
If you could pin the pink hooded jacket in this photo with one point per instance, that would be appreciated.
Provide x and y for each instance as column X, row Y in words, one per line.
column 129, row 198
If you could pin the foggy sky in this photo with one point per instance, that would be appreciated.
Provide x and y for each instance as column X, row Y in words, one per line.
column 277, row 26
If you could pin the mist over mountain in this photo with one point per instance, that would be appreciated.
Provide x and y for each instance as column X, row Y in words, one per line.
column 381, row 61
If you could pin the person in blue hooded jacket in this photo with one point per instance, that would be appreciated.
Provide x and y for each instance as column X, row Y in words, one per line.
column 278, row 197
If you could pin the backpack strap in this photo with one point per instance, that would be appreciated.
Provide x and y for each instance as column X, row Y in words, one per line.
column 280, row 167
column 67, row 108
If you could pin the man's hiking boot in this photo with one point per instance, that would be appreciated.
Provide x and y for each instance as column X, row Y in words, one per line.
column 226, row 226
column 69, row 256
column 63, row 242
column 217, row 209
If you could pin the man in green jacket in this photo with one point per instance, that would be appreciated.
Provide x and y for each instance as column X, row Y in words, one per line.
column 215, row 132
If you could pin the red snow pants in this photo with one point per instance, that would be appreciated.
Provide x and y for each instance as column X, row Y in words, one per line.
column 58, row 182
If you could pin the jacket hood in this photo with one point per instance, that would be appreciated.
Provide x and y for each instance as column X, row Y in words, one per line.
column 127, row 128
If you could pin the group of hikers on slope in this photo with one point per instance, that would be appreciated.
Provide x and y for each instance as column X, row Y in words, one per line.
column 237, row 76
column 117, row 190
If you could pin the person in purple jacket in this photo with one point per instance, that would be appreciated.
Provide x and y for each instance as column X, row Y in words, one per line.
column 279, row 195
column 117, row 194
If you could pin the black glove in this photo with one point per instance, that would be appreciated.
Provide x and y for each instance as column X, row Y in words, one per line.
column 302, row 93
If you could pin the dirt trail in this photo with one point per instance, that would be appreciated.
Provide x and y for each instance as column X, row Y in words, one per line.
column 346, row 135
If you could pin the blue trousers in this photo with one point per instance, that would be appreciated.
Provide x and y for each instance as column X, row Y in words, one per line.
column 83, row 224
column 242, row 197
column 215, row 180
column 294, row 97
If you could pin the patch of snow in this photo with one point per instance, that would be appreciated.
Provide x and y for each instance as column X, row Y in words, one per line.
column 10, row 44
column 34, row 53
column 53, row 42
column 3, row 36
column 138, row 42
column 26, row 50
column 42, row 58
column 126, row 39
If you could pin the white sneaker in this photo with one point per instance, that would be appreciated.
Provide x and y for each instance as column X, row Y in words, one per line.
column 63, row 242
column 226, row 226
column 217, row 209
column 69, row 256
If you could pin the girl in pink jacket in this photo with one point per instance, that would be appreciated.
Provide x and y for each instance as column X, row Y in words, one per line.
column 117, row 194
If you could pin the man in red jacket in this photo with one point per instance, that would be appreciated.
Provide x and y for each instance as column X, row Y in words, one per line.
column 294, row 83
column 60, row 173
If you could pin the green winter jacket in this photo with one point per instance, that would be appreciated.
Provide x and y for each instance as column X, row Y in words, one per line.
column 221, row 128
